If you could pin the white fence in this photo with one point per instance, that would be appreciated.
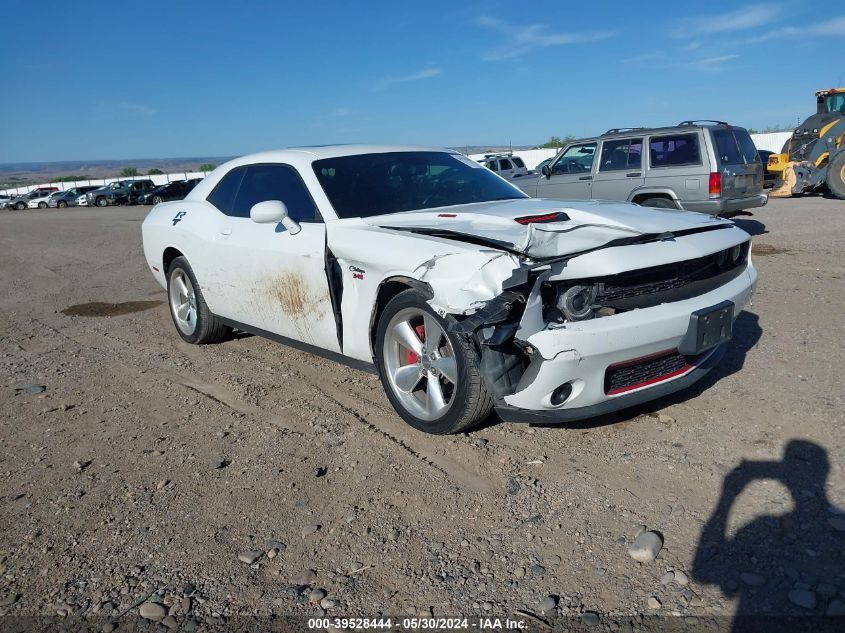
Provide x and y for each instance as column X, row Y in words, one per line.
column 771, row 142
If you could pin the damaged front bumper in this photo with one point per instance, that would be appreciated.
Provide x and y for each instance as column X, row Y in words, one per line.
column 589, row 355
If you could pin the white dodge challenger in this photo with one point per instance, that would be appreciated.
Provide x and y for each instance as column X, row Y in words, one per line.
column 461, row 292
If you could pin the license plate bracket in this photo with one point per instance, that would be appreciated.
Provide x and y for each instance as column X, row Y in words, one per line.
column 708, row 328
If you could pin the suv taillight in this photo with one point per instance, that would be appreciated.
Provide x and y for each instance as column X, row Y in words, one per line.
column 715, row 184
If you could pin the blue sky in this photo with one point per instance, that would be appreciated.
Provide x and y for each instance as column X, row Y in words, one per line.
column 103, row 80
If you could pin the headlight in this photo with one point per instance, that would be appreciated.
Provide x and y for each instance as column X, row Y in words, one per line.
column 576, row 303
column 736, row 253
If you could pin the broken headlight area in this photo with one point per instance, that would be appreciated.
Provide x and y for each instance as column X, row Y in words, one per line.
column 503, row 359
column 568, row 301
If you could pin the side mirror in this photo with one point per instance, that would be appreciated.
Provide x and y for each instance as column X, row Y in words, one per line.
column 547, row 170
column 273, row 212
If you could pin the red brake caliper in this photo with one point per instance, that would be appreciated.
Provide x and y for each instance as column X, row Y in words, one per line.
column 412, row 356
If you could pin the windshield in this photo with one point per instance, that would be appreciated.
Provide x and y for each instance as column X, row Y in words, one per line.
column 375, row 184
column 835, row 103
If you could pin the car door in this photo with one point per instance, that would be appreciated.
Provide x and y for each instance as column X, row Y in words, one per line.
column 619, row 170
column 571, row 174
column 505, row 168
column 261, row 274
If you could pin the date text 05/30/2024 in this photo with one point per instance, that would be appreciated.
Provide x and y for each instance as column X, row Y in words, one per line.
column 418, row 624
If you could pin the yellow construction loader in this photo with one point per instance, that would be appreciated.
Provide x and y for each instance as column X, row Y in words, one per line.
column 814, row 155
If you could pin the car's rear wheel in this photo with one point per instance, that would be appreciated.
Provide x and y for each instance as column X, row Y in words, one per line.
column 61, row 204
column 42, row 205
column 430, row 375
column 102, row 202
column 658, row 203
column 194, row 322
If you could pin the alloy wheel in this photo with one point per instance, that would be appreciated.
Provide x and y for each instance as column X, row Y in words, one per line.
column 420, row 364
column 183, row 302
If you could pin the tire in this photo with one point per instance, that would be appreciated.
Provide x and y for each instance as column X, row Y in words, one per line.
column 61, row 204
column 200, row 326
column 658, row 203
column 463, row 394
column 102, row 201
column 20, row 206
column 836, row 175
column 42, row 205
column 157, row 200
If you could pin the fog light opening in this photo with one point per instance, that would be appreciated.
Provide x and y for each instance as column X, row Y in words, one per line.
column 561, row 394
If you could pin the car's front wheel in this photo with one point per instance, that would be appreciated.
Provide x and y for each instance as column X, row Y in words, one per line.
column 194, row 322
column 102, row 201
column 42, row 205
column 430, row 375
column 157, row 200
column 61, row 204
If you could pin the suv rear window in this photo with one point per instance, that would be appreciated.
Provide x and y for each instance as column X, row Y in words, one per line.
column 674, row 149
column 734, row 146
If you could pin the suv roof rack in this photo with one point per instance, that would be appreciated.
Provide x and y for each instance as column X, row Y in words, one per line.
column 617, row 130
column 497, row 154
column 694, row 121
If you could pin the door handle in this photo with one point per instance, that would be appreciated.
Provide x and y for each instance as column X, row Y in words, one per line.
column 226, row 232
column 634, row 174
column 585, row 178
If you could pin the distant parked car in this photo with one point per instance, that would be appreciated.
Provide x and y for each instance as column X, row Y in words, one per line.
column 20, row 203
column 175, row 190
column 506, row 165
column 710, row 167
column 118, row 192
column 41, row 202
column 69, row 197
column 4, row 199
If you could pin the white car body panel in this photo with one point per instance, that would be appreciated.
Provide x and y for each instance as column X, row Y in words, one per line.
column 264, row 277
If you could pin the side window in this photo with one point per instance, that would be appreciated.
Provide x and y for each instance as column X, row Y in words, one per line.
column 677, row 149
column 621, row 154
column 576, row 159
column 223, row 196
column 518, row 162
column 493, row 165
column 274, row 182
column 505, row 164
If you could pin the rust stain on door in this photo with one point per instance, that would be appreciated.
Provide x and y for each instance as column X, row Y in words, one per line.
column 297, row 299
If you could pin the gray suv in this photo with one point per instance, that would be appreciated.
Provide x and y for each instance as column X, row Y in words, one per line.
column 709, row 167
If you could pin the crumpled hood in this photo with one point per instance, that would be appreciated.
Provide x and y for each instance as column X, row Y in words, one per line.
column 588, row 223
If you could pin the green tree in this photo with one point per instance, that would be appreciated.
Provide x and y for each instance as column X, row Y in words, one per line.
column 154, row 172
column 206, row 167
column 127, row 172
column 556, row 141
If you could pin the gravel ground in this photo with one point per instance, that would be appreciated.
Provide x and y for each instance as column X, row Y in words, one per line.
column 144, row 480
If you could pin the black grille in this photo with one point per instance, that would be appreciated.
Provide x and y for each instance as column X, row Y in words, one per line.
column 636, row 373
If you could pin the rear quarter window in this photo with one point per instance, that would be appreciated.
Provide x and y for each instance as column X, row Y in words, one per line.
column 673, row 150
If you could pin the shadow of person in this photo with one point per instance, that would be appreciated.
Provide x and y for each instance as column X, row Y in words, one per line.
column 787, row 570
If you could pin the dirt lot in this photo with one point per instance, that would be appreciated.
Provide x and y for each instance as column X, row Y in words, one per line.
column 147, row 466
